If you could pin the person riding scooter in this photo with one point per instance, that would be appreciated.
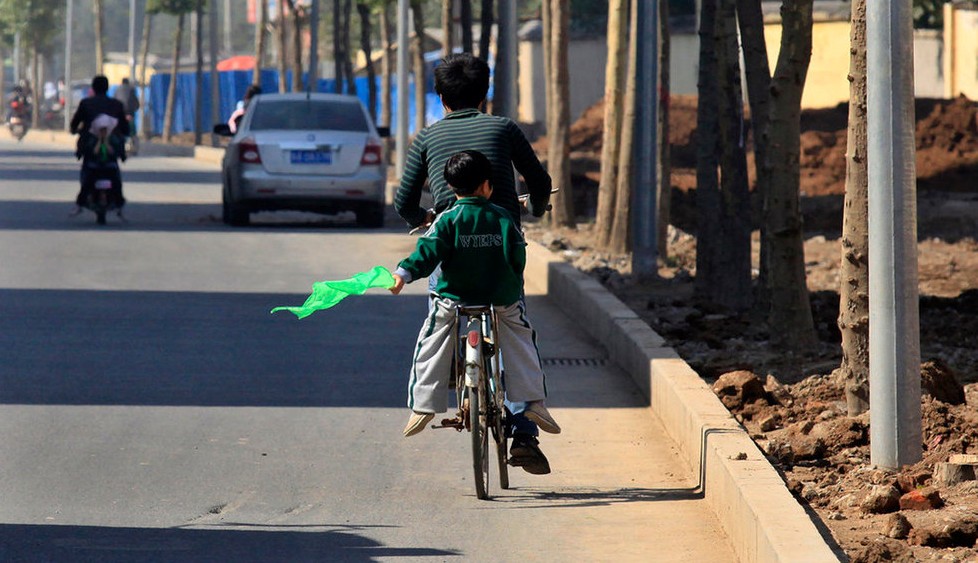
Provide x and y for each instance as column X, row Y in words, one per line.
column 92, row 148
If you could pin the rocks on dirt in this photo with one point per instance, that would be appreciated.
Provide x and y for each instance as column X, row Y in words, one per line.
column 939, row 381
column 878, row 551
column 927, row 498
column 959, row 533
column 950, row 474
column 896, row 526
column 883, row 499
column 738, row 388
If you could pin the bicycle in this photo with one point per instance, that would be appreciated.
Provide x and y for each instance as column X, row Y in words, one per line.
column 478, row 381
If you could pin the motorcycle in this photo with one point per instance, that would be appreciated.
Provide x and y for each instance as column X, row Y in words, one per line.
column 19, row 119
column 98, row 195
column 53, row 115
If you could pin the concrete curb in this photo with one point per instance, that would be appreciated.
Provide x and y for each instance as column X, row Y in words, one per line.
column 214, row 155
column 763, row 520
column 65, row 139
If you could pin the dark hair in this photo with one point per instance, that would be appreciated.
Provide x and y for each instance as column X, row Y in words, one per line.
column 125, row 81
column 462, row 81
column 252, row 91
column 100, row 84
column 465, row 171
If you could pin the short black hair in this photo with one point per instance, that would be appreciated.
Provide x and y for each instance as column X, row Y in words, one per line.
column 100, row 84
column 462, row 81
column 252, row 91
column 465, row 171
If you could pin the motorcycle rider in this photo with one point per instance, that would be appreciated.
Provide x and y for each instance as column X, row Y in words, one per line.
column 81, row 123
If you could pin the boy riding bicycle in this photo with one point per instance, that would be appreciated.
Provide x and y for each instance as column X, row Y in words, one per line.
column 462, row 82
column 482, row 254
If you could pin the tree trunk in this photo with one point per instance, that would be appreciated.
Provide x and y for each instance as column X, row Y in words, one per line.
column 854, row 271
column 790, row 320
column 485, row 33
column 351, row 83
column 365, row 32
column 144, row 55
column 664, row 201
column 296, row 47
column 420, row 111
column 734, row 281
column 282, row 25
column 708, row 207
column 547, row 20
column 386, row 68
column 171, row 95
column 559, row 149
column 465, row 18
column 260, row 34
column 614, row 78
column 751, row 21
column 447, row 27
column 198, row 40
column 98, row 9
column 36, row 90
column 337, row 47
column 620, row 241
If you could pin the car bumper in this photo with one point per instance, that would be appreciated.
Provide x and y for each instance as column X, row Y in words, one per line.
column 259, row 185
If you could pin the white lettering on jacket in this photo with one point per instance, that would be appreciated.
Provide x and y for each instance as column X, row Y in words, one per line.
column 480, row 241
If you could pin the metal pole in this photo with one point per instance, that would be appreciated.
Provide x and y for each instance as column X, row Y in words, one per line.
column 313, row 48
column 644, row 188
column 17, row 57
column 401, row 137
column 69, row 13
column 894, row 343
column 198, row 43
column 132, row 42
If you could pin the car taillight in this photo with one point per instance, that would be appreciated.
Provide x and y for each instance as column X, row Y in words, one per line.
column 15, row 104
column 248, row 152
column 372, row 154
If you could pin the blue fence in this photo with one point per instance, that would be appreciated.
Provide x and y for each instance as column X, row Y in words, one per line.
column 231, row 87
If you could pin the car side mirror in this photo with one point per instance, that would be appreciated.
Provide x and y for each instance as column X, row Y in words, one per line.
column 384, row 131
column 223, row 129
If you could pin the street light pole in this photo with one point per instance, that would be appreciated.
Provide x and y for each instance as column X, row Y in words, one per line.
column 401, row 137
column 132, row 42
column 894, row 343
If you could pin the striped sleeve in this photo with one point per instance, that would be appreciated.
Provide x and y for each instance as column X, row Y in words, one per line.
column 526, row 162
column 407, row 199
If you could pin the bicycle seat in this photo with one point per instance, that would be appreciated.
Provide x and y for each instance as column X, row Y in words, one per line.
column 470, row 310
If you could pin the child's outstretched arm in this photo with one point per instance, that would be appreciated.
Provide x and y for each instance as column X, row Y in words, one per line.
column 398, row 285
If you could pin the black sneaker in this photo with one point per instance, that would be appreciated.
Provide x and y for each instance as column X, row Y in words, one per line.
column 525, row 452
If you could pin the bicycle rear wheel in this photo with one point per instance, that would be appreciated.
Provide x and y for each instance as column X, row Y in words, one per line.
column 480, row 440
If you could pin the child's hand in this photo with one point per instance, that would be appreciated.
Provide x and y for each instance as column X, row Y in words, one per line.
column 398, row 284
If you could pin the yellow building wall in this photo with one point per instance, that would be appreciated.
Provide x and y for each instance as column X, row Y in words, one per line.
column 115, row 72
column 960, row 52
column 826, row 84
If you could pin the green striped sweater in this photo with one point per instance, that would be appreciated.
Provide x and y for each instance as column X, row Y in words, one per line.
column 499, row 138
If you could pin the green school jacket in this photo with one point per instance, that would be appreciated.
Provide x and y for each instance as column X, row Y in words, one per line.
column 481, row 251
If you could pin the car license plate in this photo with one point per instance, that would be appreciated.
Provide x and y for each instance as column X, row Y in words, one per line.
column 311, row 157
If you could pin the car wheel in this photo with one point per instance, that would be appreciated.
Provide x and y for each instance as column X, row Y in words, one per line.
column 233, row 213
column 371, row 216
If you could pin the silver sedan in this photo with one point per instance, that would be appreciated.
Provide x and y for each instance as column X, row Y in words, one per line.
column 307, row 152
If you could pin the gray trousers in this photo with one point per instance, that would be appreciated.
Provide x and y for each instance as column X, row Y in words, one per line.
column 524, row 380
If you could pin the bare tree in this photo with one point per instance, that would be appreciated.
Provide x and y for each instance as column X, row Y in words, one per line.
column 260, row 35
column 417, row 8
column 733, row 286
column 485, row 33
column 465, row 20
column 664, row 172
column 447, row 27
column 854, row 270
column 296, row 45
column 790, row 319
column 144, row 56
column 365, row 31
column 620, row 240
column 614, row 79
column 99, row 10
column 337, row 47
column 558, row 156
column 708, row 206
column 387, row 68
column 171, row 95
column 351, row 83
column 282, row 29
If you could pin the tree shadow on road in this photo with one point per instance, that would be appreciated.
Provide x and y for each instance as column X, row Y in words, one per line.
column 578, row 497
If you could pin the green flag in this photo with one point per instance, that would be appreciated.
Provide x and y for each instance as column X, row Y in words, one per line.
column 325, row 294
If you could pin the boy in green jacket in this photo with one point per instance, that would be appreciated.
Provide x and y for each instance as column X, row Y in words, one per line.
column 482, row 255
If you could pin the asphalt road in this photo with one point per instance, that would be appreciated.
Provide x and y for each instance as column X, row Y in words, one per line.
column 151, row 409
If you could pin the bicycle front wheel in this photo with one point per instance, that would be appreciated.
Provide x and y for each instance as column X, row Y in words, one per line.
column 480, row 440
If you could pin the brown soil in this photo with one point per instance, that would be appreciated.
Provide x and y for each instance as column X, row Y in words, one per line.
column 824, row 454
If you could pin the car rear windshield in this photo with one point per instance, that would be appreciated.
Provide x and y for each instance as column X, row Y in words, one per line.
column 307, row 115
